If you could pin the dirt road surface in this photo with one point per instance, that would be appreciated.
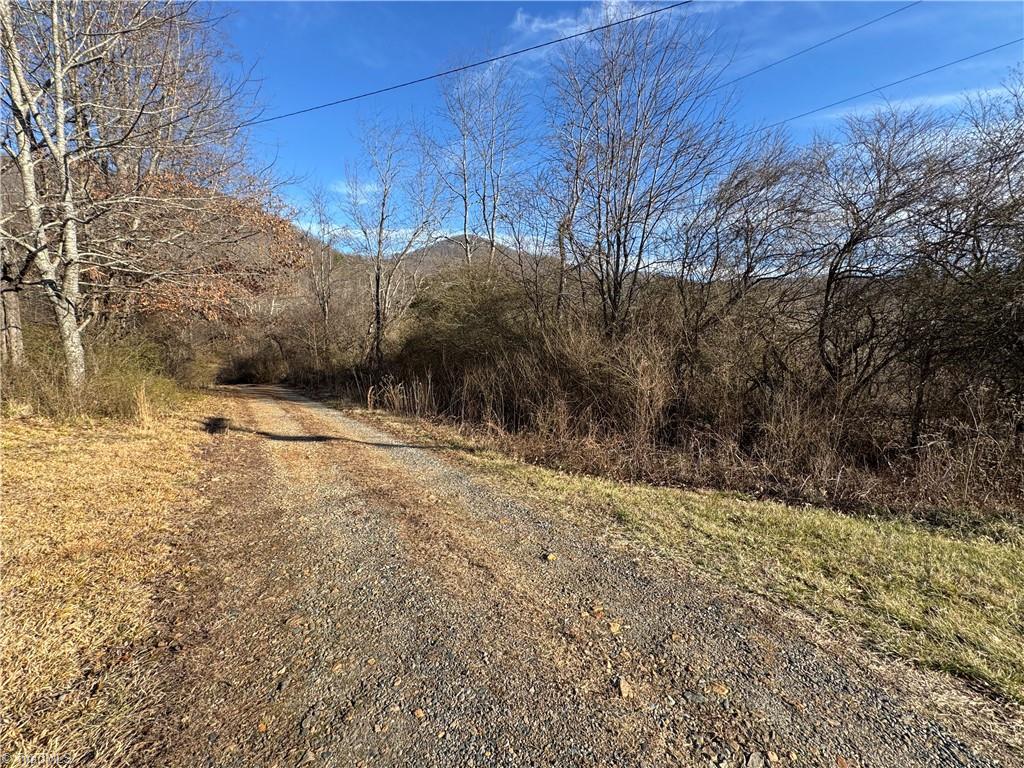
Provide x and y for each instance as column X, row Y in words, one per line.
column 358, row 601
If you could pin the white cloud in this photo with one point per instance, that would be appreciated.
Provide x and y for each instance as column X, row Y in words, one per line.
column 596, row 14
column 529, row 29
column 535, row 26
column 364, row 190
column 593, row 15
column 587, row 17
column 924, row 101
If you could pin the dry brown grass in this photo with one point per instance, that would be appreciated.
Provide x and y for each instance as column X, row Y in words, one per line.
column 88, row 518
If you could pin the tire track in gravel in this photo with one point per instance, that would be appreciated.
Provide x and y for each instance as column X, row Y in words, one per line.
column 370, row 604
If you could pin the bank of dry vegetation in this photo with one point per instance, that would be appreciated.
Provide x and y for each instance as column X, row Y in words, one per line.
column 629, row 409
column 90, row 514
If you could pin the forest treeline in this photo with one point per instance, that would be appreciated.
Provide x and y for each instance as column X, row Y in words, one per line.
column 637, row 287
column 640, row 288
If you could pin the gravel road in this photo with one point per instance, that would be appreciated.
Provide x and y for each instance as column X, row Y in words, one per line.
column 357, row 601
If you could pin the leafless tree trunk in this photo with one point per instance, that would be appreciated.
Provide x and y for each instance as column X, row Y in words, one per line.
column 392, row 211
column 743, row 231
column 58, row 272
column 320, row 256
column 479, row 155
column 12, row 344
column 865, row 192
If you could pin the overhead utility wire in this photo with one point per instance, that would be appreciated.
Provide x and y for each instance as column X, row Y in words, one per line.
column 881, row 88
column 463, row 68
column 573, row 36
column 645, row 15
column 810, row 48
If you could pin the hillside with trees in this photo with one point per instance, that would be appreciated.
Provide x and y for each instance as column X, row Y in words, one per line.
column 129, row 196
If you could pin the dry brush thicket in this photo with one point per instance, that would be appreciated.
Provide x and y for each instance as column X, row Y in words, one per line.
column 665, row 297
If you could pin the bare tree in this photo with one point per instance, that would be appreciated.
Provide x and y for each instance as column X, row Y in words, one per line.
column 638, row 133
column 40, row 112
column 865, row 191
column 125, row 138
column 392, row 211
column 532, row 249
column 320, row 261
column 478, row 157
column 744, row 230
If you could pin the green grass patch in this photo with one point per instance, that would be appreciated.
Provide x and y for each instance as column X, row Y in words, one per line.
column 945, row 602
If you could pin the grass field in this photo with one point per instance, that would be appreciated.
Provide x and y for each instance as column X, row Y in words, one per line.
column 944, row 602
column 89, row 512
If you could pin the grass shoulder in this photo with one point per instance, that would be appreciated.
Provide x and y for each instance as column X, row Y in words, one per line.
column 90, row 513
column 943, row 601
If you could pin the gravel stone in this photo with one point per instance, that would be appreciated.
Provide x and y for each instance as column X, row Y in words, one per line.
column 328, row 543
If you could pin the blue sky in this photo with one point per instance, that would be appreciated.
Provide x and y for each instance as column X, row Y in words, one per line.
column 304, row 53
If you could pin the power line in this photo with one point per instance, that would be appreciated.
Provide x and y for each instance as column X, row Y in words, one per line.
column 647, row 14
column 463, row 68
column 826, row 41
column 573, row 36
column 880, row 88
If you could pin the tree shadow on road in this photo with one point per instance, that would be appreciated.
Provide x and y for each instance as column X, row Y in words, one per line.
column 219, row 425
